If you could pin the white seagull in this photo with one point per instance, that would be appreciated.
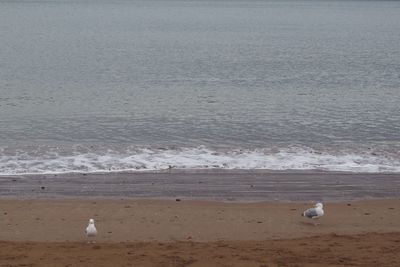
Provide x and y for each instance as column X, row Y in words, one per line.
column 315, row 212
column 91, row 230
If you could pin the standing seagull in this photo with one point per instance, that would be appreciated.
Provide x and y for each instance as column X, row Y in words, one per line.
column 91, row 230
column 315, row 212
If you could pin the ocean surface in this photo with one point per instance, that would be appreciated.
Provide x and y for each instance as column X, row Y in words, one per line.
column 108, row 85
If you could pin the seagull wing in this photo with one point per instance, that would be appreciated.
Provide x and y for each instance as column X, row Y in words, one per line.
column 311, row 213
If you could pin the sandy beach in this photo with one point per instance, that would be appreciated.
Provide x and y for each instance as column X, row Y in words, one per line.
column 200, row 218
column 198, row 233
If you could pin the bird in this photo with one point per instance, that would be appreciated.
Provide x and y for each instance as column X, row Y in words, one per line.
column 314, row 213
column 91, row 230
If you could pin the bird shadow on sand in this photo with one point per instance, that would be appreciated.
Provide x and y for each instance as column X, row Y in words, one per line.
column 310, row 224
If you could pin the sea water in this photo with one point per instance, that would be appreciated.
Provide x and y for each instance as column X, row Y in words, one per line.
column 127, row 85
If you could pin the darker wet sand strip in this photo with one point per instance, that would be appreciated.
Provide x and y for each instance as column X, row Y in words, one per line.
column 228, row 185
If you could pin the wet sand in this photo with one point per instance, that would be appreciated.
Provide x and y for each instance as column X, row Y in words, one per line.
column 222, row 185
column 322, row 251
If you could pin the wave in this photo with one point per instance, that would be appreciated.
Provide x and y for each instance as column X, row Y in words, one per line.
column 79, row 159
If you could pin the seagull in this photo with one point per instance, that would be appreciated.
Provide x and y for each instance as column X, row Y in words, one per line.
column 315, row 212
column 91, row 230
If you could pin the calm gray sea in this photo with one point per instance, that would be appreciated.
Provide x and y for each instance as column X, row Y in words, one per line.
column 106, row 85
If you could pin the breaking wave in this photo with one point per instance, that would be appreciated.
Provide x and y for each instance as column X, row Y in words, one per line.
column 80, row 159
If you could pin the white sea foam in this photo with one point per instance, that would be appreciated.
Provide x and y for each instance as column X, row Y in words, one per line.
column 51, row 161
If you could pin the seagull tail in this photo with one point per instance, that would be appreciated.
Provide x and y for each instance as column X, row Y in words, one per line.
column 302, row 214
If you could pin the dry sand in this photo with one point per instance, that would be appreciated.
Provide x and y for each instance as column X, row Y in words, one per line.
column 195, row 233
